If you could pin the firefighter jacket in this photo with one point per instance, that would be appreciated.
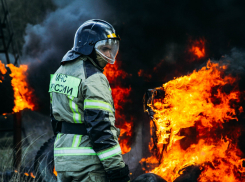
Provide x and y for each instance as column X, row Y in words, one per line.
column 80, row 93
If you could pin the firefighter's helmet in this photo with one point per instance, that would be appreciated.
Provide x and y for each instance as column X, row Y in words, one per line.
column 99, row 35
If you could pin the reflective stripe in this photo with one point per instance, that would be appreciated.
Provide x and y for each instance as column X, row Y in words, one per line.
column 77, row 118
column 113, row 35
column 74, row 151
column 95, row 104
column 109, row 153
column 76, row 140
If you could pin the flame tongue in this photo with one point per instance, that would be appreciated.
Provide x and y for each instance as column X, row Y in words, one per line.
column 23, row 94
column 199, row 100
column 3, row 71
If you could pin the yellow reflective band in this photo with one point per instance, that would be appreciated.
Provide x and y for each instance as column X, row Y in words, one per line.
column 76, row 140
column 113, row 35
column 74, row 151
column 77, row 118
column 96, row 104
column 109, row 152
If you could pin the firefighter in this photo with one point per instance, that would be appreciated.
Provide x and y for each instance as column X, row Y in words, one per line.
column 82, row 109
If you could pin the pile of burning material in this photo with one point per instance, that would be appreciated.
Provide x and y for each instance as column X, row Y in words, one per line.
column 197, row 122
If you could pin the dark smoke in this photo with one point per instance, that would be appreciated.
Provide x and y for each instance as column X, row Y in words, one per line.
column 151, row 32
column 46, row 43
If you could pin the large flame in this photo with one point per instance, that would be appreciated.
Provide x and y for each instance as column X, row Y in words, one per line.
column 204, row 100
column 23, row 94
column 120, row 96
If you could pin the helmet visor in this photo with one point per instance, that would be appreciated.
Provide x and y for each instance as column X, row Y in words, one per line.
column 108, row 49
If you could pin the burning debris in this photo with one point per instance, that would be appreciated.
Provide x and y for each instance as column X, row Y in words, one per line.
column 196, row 124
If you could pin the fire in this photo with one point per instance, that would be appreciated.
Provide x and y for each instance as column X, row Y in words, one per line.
column 32, row 175
column 120, row 96
column 3, row 71
column 201, row 102
column 23, row 94
column 55, row 172
column 198, row 48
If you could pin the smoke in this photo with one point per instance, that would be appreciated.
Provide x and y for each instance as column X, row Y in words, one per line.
column 150, row 32
column 236, row 61
column 46, row 43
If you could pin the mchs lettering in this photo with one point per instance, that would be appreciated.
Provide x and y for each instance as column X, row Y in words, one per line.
column 61, row 88
column 61, row 78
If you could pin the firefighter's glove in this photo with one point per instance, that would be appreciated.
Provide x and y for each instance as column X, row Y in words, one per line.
column 119, row 175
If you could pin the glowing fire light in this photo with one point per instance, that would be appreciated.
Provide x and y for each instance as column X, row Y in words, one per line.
column 32, row 175
column 198, row 48
column 3, row 71
column 55, row 172
column 199, row 100
column 23, row 94
column 120, row 94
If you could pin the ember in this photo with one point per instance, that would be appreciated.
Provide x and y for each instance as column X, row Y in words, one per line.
column 55, row 172
column 198, row 48
column 120, row 96
column 200, row 101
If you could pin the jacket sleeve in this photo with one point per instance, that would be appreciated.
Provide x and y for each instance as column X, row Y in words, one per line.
column 99, row 118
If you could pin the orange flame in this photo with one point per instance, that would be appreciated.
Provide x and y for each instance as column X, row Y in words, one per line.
column 120, row 96
column 198, row 48
column 198, row 101
column 23, row 94
column 3, row 71
column 32, row 175
column 55, row 172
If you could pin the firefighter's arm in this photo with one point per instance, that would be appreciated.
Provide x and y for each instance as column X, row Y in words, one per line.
column 54, row 123
column 99, row 117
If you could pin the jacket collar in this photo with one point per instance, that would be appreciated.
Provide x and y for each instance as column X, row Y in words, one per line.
column 97, row 66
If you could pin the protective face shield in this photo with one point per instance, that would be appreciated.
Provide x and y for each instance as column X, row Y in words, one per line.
column 108, row 49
